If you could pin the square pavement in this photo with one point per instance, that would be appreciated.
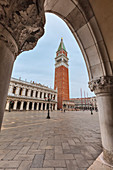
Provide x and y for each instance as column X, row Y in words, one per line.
column 67, row 141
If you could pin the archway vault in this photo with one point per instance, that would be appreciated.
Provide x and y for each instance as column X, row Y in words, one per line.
column 80, row 18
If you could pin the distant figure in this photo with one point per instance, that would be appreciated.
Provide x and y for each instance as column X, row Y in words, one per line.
column 64, row 110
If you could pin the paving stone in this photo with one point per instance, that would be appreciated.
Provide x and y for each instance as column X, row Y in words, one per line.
column 39, row 152
column 71, row 165
column 65, row 146
column 49, row 154
column 58, row 149
column 54, row 163
column 25, row 165
column 64, row 156
column 11, row 155
column 60, row 168
column 41, row 168
column 38, row 161
column 9, row 164
column 24, row 150
column 24, row 157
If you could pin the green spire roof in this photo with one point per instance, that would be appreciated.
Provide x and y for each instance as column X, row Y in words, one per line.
column 61, row 46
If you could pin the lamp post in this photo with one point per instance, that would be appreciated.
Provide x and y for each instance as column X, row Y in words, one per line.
column 48, row 99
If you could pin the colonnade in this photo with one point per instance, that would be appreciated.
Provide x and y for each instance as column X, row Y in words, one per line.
column 29, row 105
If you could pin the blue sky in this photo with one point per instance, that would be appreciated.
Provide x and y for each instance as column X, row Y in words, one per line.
column 38, row 64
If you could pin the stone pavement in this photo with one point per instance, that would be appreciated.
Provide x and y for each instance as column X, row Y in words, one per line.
column 68, row 141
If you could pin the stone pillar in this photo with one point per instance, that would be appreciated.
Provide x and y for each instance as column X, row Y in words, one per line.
column 27, row 107
column 103, row 88
column 38, row 94
column 7, row 105
column 23, row 92
column 17, row 91
column 29, row 93
column 34, row 93
column 42, row 95
column 15, row 105
column 41, row 106
column 10, row 89
column 37, row 106
column 22, row 104
column 56, row 106
column 32, row 106
column 26, row 32
column 45, row 106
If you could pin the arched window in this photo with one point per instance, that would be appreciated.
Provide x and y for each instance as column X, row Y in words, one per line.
column 31, row 93
column 26, row 93
column 20, row 93
column 14, row 90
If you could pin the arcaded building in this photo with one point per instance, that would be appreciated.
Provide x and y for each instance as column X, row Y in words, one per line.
column 26, row 96
column 61, row 74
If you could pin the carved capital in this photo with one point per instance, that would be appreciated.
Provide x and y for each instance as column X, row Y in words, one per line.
column 24, row 20
column 101, row 84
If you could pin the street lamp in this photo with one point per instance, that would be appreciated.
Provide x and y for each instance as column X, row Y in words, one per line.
column 48, row 99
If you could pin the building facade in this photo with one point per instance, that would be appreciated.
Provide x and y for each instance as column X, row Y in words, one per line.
column 61, row 82
column 26, row 96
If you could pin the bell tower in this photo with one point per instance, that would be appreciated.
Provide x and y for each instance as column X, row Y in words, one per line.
column 61, row 82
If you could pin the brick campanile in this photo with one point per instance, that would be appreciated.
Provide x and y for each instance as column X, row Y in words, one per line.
column 61, row 82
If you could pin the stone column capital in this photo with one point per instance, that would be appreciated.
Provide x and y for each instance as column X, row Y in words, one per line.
column 102, row 85
column 21, row 24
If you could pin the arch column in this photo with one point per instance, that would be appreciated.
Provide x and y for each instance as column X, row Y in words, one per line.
column 56, row 106
column 10, row 89
column 26, row 32
column 32, row 106
column 7, row 105
column 27, row 108
column 22, row 104
column 37, row 108
column 15, row 105
column 23, row 92
column 45, row 106
column 103, row 88
column 41, row 106
column 34, row 93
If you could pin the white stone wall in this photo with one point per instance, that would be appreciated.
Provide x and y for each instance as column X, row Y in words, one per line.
column 23, row 102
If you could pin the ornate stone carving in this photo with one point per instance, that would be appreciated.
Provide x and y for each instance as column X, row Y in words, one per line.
column 100, row 83
column 24, row 20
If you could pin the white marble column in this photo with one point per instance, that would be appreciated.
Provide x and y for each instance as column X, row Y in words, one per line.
column 32, row 106
column 15, row 105
column 23, row 92
column 29, row 93
column 42, row 95
column 37, row 108
column 103, row 88
column 34, row 93
column 10, row 89
column 7, row 105
column 45, row 106
column 17, row 91
column 38, row 94
column 22, row 104
column 27, row 107
column 41, row 106
column 56, row 106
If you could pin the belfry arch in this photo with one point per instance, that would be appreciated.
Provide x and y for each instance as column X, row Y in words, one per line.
column 21, row 26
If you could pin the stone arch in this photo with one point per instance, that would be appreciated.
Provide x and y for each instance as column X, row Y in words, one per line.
column 82, row 22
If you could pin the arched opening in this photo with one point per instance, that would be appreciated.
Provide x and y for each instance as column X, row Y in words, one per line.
column 31, row 93
column 25, row 106
column 39, row 106
column 43, row 106
column 18, row 105
column 26, row 93
column 14, row 90
column 36, row 95
column 30, row 105
column 35, row 106
column 20, row 93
